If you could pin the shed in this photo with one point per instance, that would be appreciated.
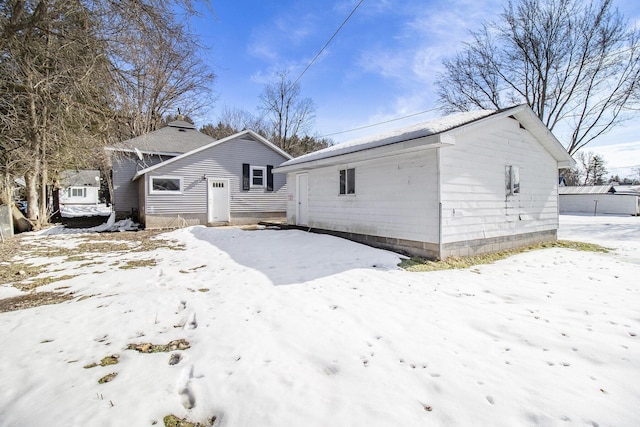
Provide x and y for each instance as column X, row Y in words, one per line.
column 465, row 184
column 600, row 199
column 79, row 187
column 177, row 176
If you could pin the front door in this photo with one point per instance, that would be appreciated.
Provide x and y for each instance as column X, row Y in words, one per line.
column 302, row 211
column 218, row 200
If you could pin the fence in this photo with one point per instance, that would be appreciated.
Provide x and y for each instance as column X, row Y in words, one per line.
column 6, row 222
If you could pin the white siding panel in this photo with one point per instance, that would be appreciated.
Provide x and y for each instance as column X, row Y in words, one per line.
column 395, row 197
column 607, row 204
column 473, row 184
column 220, row 161
column 125, row 191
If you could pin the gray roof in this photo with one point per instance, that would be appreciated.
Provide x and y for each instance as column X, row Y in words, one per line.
column 176, row 138
column 79, row 178
column 245, row 133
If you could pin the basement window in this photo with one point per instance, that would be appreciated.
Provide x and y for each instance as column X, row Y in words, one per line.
column 348, row 181
column 165, row 185
column 512, row 180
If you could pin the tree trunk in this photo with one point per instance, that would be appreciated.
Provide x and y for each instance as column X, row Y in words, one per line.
column 32, row 194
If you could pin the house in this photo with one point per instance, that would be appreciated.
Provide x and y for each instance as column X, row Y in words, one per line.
column 465, row 184
column 600, row 199
column 78, row 187
column 177, row 176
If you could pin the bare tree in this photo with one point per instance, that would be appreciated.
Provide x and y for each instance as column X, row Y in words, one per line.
column 74, row 73
column 593, row 170
column 576, row 64
column 289, row 114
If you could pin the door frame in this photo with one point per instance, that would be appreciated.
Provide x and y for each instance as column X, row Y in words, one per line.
column 210, row 200
column 298, row 222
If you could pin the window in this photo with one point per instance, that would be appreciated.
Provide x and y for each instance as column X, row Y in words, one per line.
column 258, row 176
column 348, row 181
column 512, row 180
column 165, row 184
column 77, row 192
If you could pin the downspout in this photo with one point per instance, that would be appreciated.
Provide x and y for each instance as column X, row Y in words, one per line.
column 438, row 183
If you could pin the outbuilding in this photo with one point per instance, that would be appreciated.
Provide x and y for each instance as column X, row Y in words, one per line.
column 465, row 184
column 605, row 199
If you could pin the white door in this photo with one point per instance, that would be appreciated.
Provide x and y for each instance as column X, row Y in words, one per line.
column 302, row 211
column 218, row 198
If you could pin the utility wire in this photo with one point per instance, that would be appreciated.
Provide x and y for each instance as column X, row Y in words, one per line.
column 328, row 41
column 381, row 123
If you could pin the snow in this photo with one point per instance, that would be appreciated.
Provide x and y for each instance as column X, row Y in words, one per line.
column 289, row 328
column 419, row 130
column 75, row 211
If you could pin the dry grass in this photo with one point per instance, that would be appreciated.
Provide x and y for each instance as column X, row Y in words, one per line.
column 420, row 264
column 21, row 260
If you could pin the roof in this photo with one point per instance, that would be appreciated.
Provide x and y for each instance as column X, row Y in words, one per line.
column 176, row 138
column 251, row 134
column 440, row 126
column 600, row 189
column 79, row 178
column 586, row 189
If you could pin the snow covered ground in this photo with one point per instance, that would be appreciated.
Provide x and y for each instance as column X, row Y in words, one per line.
column 294, row 329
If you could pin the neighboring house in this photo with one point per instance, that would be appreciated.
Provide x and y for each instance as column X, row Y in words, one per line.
column 177, row 176
column 600, row 199
column 464, row 184
column 78, row 187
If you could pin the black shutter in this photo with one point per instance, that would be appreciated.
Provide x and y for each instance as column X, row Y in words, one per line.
column 245, row 177
column 269, row 178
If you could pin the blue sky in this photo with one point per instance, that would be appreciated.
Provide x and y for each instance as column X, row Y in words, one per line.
column 380, row 66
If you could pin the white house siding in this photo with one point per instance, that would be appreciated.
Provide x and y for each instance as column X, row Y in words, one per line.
column 621, row 204
column 219, row 161
column 474, row 204
column 396, row 197
column 125, row 192
column 90, row 198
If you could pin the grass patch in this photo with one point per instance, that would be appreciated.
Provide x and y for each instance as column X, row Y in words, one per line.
column 173, row 421
column 147, row 347
column 34, row 299
column 417, row 264
column 106, row 361
column 108, row 378
column 137, row 263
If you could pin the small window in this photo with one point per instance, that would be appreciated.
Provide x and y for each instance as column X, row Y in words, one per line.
column 258, row 176
column 512, row 180
column 165, row 184
column 78, row 192
column 348, row 181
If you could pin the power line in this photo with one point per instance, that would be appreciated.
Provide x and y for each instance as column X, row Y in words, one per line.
column 328, row 41
column 380, row 123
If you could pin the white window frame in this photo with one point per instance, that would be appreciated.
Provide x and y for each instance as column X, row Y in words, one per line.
column 152, row 191
column 346, row 182
column 82, row 190
column 264, row 176
column 512, row 180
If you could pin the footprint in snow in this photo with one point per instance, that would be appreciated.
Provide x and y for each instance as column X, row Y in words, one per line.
column 187, row 398
column 192, row 323
column 182, row 306
column 490, row 399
